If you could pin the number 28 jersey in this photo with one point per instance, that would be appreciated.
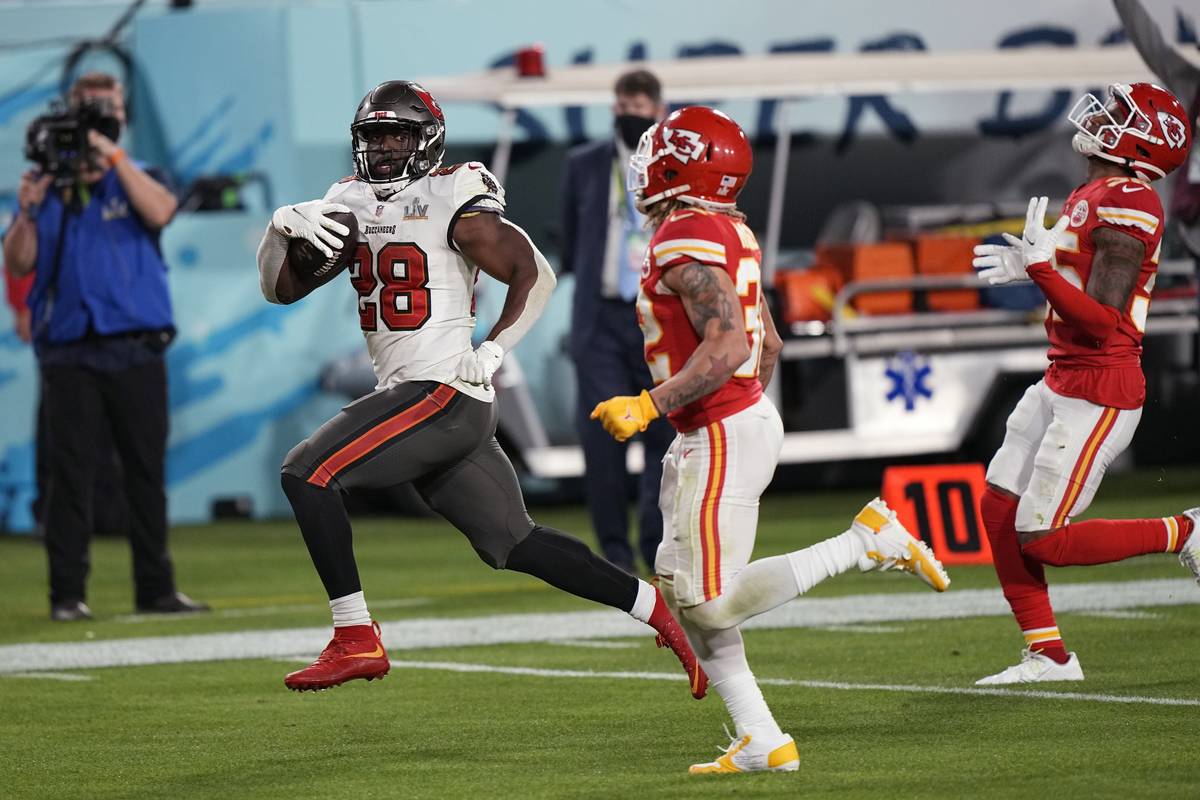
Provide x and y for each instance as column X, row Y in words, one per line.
column 717, row 240
column 416, row 292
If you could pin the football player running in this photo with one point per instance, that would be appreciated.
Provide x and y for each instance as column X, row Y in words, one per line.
column 711, row 345
column 1096, row 266
column 425, row 232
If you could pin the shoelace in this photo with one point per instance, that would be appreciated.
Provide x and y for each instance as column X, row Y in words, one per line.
column 734, row 741
column 332, row 652
column 337, row 648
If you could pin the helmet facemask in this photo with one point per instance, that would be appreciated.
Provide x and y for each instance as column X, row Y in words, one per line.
column 1100, row 125
column 390, row 168
column 638, row 175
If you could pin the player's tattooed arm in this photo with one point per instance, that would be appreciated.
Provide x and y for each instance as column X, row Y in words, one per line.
column 1116, row 266
column 1095, row 311
column 505, row 252
column 712, row 306
column 772, row 345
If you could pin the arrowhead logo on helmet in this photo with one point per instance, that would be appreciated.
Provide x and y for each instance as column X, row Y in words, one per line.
column 1173, row 130
column 684, row 145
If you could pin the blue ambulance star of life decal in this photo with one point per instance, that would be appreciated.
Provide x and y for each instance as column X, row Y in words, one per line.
column 908, row 373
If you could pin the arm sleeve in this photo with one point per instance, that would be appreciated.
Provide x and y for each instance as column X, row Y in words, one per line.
column 16, row 290
column 1172, row 69
column 535, row 301
column 272, row 251
column 1074, row 305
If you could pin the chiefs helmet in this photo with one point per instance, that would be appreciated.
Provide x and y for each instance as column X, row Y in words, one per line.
column 1140, row 126
column 697, row 155
column 411, row 113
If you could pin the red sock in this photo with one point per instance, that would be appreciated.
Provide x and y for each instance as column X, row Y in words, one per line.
column 1101, row 541
column 356, row 632
column 1023, row 580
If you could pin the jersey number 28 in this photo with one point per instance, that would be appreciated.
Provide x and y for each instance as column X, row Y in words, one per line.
column 399, row 270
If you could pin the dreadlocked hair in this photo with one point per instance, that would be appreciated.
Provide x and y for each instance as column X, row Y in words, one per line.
column 659, row 212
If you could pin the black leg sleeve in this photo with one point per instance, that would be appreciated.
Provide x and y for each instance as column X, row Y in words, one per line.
column 326, row 529
column 566, row 563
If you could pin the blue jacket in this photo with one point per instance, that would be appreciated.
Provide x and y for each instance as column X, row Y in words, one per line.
column 587, row 181
column 110, row 277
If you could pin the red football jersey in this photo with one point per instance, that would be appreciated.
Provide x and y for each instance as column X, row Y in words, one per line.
column 720, row 241
column 1107, row 373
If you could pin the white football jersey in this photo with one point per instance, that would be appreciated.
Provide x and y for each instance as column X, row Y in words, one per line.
column 416, row 292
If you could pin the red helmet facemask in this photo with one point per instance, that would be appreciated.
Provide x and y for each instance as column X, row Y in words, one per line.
column 697, row 155
column 1140, row 126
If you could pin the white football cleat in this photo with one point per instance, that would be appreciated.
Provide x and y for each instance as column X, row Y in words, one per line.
column 890, row 546
column 1036, row 668
column 1189, row 556
column 748, row 754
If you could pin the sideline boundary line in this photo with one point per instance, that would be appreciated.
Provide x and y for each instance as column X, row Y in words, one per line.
column 423, row 633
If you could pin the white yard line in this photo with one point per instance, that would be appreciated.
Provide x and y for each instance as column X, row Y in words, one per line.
column 861, row 628
column 599, row 644
column 454, row 666
column 268, row 611
column 66, row 677
column 1114, row 614
column 416, row 634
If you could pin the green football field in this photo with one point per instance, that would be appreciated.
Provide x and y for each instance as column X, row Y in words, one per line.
column 502, row 687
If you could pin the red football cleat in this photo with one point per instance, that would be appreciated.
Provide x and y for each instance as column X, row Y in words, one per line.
column 672, row 636
column 354, row 652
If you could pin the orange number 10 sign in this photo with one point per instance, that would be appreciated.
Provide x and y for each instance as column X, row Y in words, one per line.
column 940, row 504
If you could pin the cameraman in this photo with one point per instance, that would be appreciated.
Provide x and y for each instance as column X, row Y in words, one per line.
column 101, row 320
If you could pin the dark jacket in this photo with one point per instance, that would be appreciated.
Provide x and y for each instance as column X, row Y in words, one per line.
column 587, row 181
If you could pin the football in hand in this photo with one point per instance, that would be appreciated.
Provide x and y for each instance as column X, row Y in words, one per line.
column 312, row 268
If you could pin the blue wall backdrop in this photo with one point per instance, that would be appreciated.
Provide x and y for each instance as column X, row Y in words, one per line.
column 269, row 87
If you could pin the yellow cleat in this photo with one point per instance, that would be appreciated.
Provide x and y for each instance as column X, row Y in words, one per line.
column 747, row 755
column 889, row 546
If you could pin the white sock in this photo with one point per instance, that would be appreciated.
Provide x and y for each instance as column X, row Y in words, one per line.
column 643, row 604
column 350, row 610
column 825, row 559
column 746, row 705
column 771, row 582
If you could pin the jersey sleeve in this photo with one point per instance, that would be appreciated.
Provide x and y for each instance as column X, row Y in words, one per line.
column 476, row 189
column 689, row 236
column 1132, row 207
column 338, row 187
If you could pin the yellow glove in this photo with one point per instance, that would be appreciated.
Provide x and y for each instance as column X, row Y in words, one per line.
column 623, row 416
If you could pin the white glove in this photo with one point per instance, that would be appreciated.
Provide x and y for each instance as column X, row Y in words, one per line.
column 479, row 365
column 308, row 221
column 999, row 264
column 1039, row 242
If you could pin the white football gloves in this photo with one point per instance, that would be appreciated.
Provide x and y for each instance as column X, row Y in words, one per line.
column 1000, row 264
column 308, row 221
column 479, row 365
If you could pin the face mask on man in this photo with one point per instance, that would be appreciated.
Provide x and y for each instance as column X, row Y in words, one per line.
column 630, row 128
